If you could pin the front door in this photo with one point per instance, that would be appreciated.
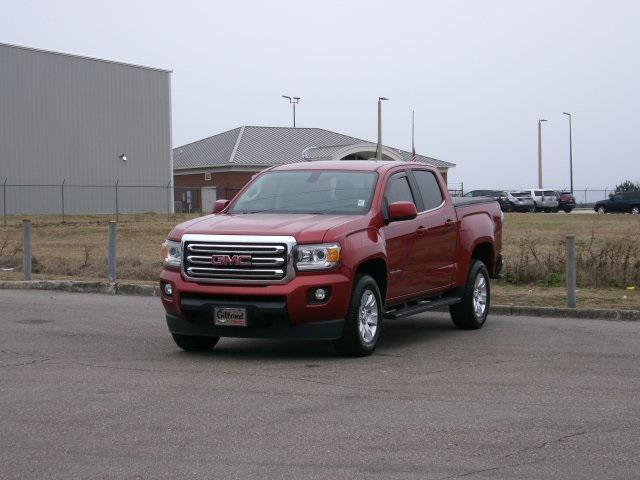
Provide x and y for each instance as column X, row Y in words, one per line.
column 208, row 196
column 400, row 238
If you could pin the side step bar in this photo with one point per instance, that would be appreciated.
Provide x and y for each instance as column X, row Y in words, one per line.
column 408, row 309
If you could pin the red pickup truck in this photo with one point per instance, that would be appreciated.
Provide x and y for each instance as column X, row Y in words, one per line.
column 330, row 250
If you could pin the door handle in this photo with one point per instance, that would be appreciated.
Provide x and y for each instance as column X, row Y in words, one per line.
column 448, row 221
column 421, row 231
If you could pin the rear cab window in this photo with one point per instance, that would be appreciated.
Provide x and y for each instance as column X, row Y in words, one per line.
column 429, row 189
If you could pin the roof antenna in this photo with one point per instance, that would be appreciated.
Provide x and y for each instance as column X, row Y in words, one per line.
column 413, row 135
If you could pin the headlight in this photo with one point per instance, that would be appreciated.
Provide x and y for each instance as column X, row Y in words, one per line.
column 172, row 253
column 317, row 257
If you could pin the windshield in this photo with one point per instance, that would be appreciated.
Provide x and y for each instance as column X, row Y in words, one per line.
column 319, row 192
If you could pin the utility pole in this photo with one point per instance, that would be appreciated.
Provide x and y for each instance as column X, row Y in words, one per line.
column 379, row 147
column 540, row 152
column 570, row 152
column 293, row 101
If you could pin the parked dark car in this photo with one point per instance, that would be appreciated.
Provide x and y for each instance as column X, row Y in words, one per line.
column 566, row 201
column 509, row 202
column 620, row 202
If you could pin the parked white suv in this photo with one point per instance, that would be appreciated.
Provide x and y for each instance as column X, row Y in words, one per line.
column 544, row 200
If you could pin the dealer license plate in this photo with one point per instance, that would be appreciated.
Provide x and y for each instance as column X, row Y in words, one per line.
column 230, row 317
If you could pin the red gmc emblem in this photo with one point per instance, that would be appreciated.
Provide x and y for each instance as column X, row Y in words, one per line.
column 231, row 260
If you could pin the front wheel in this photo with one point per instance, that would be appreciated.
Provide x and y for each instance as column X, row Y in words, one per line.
column 568, row 210
column 191, row 343
column 601, row 211
column 363, row 323
column 635, row 210
column 472, row 311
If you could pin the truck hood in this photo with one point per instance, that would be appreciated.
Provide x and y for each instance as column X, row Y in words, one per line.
column 306, row 228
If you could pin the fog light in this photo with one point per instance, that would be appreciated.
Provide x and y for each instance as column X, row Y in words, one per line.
column 168, row 289
column 320, row 294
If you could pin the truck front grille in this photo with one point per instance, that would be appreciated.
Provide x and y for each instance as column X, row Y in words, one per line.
column 236, row 262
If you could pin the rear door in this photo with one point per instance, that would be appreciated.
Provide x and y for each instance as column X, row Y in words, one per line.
column 435, row 245
column 400, row 238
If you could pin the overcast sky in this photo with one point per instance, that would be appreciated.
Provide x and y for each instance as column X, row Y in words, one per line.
column 478, row 74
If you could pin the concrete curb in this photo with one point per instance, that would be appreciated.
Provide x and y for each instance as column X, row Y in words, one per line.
column 118, row 288
column 122, row 288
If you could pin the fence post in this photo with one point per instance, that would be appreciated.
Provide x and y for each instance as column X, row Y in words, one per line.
column 571, row 271
column 26, row 249
column 169, row 199
column 62, row 197
column 4, row 200
column 111, row 270
column 462, row 189
column 117, row 212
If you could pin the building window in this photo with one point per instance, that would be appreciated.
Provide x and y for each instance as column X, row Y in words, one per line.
column 207, row 176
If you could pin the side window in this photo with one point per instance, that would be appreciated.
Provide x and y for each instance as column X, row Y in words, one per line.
column 398, row 190
column 429, row 188
column 538, row 193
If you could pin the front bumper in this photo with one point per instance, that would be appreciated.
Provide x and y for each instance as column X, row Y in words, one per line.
column 273, row 311
column 203, row 326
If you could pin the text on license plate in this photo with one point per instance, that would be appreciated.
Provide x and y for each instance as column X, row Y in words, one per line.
column 230, row 317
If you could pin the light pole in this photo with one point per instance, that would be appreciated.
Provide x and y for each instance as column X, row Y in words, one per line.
column 293, row 101
column 379, row 147
column 540, row 152
column 570, row 152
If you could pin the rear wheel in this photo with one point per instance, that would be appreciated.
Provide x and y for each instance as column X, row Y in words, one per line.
column 472, row 311
column 635, row 210
column 363, row 324
column 191, row 343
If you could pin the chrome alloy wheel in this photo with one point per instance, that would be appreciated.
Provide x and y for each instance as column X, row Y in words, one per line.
column 368, row 316
column 480, row 296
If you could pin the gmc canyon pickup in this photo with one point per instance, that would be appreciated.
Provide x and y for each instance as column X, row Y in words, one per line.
column 330, row 250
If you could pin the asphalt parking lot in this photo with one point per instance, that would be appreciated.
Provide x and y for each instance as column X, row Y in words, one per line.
column 92, row 386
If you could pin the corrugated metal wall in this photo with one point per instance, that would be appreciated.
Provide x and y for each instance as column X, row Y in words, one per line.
column 69, row 118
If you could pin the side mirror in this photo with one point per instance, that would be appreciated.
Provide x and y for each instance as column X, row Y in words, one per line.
column 220, row 205
column 402, row 211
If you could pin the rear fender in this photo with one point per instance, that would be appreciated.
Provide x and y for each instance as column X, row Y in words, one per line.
column 475, row 229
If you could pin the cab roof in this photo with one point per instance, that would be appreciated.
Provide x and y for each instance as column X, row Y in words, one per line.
column 358, row 165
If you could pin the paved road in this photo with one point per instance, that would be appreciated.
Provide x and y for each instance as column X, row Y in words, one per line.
column 91, row 386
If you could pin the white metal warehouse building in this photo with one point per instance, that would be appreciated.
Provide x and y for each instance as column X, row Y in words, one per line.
column 88, row 123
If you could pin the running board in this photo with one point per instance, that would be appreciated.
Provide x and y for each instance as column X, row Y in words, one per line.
column 406, row 310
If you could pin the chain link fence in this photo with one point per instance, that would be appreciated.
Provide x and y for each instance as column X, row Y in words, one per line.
column 75, row 199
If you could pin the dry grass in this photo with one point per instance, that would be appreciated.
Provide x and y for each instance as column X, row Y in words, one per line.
column 534, row 295
column 78, row 247
column 608, row 249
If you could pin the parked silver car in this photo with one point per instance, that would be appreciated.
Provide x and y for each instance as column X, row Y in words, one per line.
column 543, row 200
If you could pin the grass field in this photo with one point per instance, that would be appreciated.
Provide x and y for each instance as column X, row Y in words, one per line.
column 607, row 245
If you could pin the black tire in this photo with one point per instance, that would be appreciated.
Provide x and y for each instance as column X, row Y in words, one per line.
column 463, row 314
column 191, row 343
column 568, row 210
column 635, row 210
column 509, row 208
column 352, row 343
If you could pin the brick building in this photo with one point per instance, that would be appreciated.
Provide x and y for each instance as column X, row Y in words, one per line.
column 219, row 166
